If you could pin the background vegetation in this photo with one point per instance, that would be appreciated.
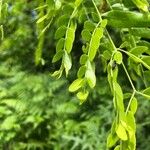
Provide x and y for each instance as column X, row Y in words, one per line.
column 36, row 111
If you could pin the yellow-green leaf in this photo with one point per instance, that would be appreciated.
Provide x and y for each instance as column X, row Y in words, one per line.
column 83, row 59
column 82, row 96
column 133, row 106
column 117, row 147
column 95, row 42
column 75, row 85
column 70, row 36
column 141, row 4
column 90, row 75
column 57, row 56
column 121, row 132
column 60, row 32
column 118, row 57
column 111, row 140
column 81, row 71
column 67, row 62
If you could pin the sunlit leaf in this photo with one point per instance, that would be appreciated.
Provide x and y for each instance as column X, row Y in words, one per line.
column 118, row 57
column 60, row 32
column 133, row 105
column 90, row 75
column 95, row 42
column 121, row 132
column 75, row 85
column 67, row 62
column 82, row 96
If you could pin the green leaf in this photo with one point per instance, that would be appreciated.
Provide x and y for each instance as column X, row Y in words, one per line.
column 133, row 105
column 85, row 48
column 103, row 23
column 42, row 19
column 112, row 140
column 63, row 20
column 95, row 42
column 75, row 85
column 118, row 96
column 60, row 32
column 90, row 75
column 8, row 123
column 67, row 62
column 82, row 96
column 50, row 3
column 57, row 4
column 57, row 74
column 117, row 147
column 57, row 56
column 147, row 91
column 60, row 45
column 86, row 35
column 141, row 32
column 141, row 4
column 138, row 50
column 67, row 9
column 89, row 26
column 107, row 54
column 70, row 36
column 131, row 122
column 118, row 57
column 146, row 59
column 81, row 71
column 95, row 17
column 132, row 142
column 78, row 2
column 127, row 19
column 121, row 132
column 138, row 60
column 83, row 59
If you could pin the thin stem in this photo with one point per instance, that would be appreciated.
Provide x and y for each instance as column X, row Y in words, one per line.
column 145, row 95
column 111, row 41
column 100, row 18
column 109, row 4
column 133, row 87
column 135, row 58
column 86, row 12
column 109, row 37
column 130, row 102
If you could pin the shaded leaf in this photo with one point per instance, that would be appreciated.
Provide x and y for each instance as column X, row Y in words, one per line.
column 60, row 32
column 57, row 56
column 60, row 45
column 83, row 59
column 89, row 26
column 81, row 71
column 86, row 35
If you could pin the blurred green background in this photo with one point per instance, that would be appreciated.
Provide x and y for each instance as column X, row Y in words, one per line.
column 36, row 111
